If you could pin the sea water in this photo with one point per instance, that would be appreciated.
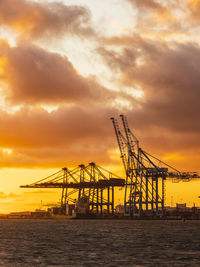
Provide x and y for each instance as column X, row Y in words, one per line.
column 99, row 243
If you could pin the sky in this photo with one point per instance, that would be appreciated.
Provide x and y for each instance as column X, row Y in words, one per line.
column 66, row 67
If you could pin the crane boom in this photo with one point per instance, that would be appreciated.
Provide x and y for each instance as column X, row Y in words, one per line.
column 121, row 142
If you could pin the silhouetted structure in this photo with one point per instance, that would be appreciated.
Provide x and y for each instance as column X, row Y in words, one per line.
column 90, row 189
column 143, row 194
column 90, row 184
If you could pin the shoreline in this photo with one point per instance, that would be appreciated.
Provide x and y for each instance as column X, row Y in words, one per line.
column 114, row 218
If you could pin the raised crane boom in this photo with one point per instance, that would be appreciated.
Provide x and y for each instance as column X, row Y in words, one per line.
column 143, row 172
column 121, row 142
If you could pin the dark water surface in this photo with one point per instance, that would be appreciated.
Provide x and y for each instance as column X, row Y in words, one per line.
column 95, row 242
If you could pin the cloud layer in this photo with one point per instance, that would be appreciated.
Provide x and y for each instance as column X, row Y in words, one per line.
column 34, row 75
column 166, row 70
column 37, row 20
column 169, row 77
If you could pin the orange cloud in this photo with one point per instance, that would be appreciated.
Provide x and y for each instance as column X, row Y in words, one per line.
column 69, row 134
column 169, row 77
column 165, row 119
column 150, row 4
column 158, row 19
column 34, row 75
column 194, row 9
column 37, row 20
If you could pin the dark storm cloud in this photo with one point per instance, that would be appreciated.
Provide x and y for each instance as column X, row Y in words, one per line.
column 38, row 20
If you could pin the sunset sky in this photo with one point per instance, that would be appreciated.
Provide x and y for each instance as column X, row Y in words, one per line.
column 66, row 67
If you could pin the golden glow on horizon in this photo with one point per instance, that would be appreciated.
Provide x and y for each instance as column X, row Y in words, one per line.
column 114, row 154
column 173, row 157
column 7, row 151
column 3, row 62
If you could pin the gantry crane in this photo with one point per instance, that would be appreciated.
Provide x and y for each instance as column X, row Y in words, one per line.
column 143, row 192
column 90, row 182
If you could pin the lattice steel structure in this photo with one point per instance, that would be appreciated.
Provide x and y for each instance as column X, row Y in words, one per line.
column 144, row 194
column 91, row 182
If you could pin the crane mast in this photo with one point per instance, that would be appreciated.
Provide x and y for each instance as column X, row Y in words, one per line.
column 144, row 182
column 142, row 192
column 145, row 175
